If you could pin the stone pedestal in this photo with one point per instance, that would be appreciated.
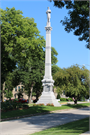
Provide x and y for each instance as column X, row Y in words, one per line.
column 48, row 83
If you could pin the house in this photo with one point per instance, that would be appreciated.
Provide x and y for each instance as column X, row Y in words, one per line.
column 15, row 92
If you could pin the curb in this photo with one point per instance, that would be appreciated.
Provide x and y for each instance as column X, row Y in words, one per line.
column 24, row 116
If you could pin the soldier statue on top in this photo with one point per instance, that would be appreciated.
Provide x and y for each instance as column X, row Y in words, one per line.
column 48, row 14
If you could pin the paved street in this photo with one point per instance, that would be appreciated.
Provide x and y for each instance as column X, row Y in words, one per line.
column 29, row 125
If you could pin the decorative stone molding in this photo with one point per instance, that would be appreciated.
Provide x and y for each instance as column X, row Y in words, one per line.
column 48, row 28
column 48, row 81
column 47, row 64
column 48, row 47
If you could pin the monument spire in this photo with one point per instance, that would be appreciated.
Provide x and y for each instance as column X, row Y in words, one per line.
column 48, row 94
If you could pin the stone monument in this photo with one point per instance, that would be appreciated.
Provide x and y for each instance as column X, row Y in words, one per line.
column 48, row 94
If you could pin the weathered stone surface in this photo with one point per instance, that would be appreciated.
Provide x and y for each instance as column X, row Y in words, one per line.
column 48, row 82
column 48, row 97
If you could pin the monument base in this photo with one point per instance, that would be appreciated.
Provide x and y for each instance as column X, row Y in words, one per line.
column 48, row 97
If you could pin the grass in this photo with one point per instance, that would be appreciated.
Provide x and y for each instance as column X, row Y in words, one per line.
column 72, row 128
column 39, row 109
column 29, row 104
column 70, row 101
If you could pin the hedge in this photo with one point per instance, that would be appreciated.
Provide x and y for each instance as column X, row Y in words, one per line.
column 63, row 99
column 66, row 99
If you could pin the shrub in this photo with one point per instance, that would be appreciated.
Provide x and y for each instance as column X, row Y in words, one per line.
column 10, row 105
column 38, row 105
column 15, row 104
column 49, row 104
column 15, row 99
column 6, row 106
column 35, row 104
column 62, row 99
column 70, row 99
column 82, row 98
column 20, row 106
column 41, row 104
column 58, row 96
column 25, row 106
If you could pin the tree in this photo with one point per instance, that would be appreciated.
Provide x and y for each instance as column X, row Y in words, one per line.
column 7, row 64
column 79, row 18
column 74, row 81
column 53, row 56
column 20, row 93
column 55, row 69
column 8, row 94
column 38, row 88
column 31, row 76
column 19, row 35
column 12, row 80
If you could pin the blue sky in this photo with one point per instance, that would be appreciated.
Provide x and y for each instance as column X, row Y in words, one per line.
column 70, row 50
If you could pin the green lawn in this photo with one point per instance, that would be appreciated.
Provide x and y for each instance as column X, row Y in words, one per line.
column 72, row 128
column 71, row 101
column 39, row 109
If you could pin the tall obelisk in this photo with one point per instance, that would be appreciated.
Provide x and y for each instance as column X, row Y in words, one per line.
column 48, row 94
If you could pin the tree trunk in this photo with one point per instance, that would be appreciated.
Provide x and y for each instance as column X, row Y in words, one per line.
column 75, row 101
column 37, row 95
column 3, row 92
column 30, row 93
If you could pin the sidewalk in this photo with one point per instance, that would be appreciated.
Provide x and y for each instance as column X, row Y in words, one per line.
column 86, row 133
column 29, row 125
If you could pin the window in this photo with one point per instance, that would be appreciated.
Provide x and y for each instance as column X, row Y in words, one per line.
column 18, row 87
column 15, row 88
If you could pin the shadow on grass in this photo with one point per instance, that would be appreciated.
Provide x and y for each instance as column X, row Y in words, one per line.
column 38, row 109
column 78, row 105
column 72, row 128
column 75, row 126
column 30, row 110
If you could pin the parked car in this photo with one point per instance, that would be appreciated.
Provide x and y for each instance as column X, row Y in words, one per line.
column 23, row 100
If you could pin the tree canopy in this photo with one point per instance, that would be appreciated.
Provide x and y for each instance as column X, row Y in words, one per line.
column 19, row 35
column 74, row 81
column 79, row 18
column 55, row 69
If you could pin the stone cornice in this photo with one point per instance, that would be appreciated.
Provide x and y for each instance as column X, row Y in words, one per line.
column 48, row 28
column 47, row 80
column 47, row 64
